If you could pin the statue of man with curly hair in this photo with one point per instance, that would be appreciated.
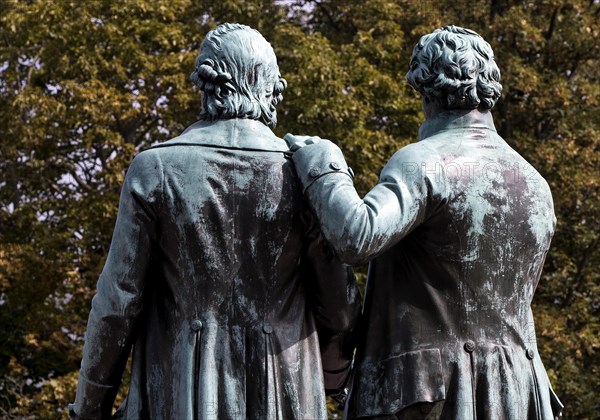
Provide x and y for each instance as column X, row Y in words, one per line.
column 456, row 232
column 217, row 279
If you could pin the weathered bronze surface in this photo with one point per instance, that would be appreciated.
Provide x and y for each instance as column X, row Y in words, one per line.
column 217, row 275
column 457, row 229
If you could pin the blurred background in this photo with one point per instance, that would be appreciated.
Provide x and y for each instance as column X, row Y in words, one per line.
column 85, row 85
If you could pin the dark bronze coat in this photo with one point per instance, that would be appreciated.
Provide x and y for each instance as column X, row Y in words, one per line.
column 219, row 280
column 458, row 228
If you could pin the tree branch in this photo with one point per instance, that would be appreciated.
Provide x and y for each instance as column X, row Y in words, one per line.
column 550, row 30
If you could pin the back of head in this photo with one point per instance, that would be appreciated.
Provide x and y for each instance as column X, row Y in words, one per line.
column 454, row 68
column 238, row 75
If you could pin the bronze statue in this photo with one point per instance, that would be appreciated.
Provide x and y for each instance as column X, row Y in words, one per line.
column 217, row 275
column 457, row 230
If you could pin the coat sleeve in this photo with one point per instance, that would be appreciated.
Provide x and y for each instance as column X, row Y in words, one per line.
column 119, row 297
column 360, row 229
column 334, row 300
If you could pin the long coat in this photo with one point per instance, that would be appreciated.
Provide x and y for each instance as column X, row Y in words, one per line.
column 220, row 281
column 458, row 228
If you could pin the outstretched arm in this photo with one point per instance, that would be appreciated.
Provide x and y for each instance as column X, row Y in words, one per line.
column 359, row 229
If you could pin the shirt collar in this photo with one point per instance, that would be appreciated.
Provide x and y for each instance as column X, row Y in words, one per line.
column 456, row 119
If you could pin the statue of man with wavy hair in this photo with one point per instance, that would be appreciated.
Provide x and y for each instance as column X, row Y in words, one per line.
column 456, row 232
column 217, row 276
column 240, row 82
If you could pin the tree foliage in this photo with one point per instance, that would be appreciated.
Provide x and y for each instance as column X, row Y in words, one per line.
column 86, row 85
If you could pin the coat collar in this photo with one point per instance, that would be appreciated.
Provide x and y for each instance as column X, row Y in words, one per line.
column 456, row 119
column 235, row 133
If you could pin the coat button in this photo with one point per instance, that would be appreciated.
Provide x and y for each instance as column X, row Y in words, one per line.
column 314, row 172
column 469, row 346
column 196, row 325
column 267, row 329
column 335, row 166
column 530, row 354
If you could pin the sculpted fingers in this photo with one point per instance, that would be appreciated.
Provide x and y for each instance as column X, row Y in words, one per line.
column 296, row 142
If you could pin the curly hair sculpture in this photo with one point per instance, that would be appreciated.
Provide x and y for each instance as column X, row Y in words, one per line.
column 238, row 75
column 455, row 68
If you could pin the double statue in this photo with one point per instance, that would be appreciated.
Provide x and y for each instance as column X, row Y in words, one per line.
column 228, row 273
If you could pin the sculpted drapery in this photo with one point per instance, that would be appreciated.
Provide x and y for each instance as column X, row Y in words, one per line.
column 219, row 280
column 458, row 228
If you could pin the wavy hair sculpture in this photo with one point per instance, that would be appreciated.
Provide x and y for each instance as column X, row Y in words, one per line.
column 454, row 67
column 238, row 75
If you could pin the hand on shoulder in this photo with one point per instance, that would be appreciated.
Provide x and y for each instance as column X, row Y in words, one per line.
column 297, row 142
